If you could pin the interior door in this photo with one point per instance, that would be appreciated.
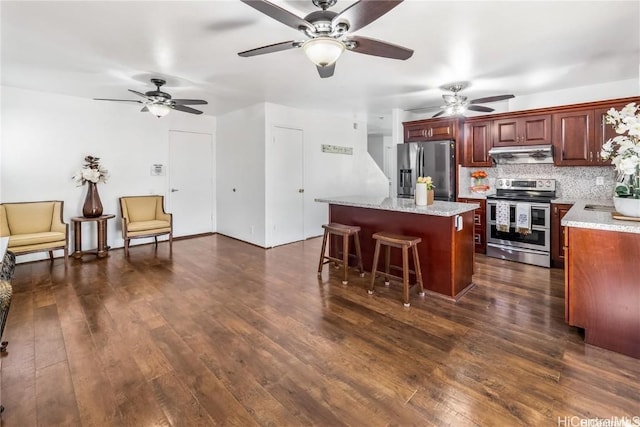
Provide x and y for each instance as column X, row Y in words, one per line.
column 191, row 172
column 286, row 188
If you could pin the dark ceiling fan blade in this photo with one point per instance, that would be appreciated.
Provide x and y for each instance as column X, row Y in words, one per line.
column 277, row 47
column 119, row 100
column 326, row 71
column 189, row 101
column 379, row 48
column 139, row 93
column 479, row 108
column 492, row 99
column 364, row 12
column 438, row 114
column 279, row 14
column 185, row 109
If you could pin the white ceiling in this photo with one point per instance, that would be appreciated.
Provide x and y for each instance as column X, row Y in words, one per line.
column 102, row 48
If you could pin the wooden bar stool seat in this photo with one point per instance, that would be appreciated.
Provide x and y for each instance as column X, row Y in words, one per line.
column 391, row 240
column 345, row 231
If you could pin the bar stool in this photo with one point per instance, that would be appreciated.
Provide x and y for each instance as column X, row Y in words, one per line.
column 403, row 242
column 345, row 231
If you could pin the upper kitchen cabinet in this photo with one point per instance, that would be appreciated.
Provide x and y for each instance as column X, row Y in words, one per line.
column 579, row 133
column 430, row 130
column 573, row 138
column 477, row 142
column 522, row 130
column 603, row 131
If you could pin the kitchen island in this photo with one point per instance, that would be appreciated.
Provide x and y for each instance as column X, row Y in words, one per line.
column 602, row 276
column 446, row 228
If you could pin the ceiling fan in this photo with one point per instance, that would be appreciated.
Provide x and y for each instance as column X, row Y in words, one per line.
column 327, row 32
column 160, row 103
column 457, row 104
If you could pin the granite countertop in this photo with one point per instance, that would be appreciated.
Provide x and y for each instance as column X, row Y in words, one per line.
column 438, row 208
column 599, row 219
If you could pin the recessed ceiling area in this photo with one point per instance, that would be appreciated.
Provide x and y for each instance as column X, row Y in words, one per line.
column 99, row 49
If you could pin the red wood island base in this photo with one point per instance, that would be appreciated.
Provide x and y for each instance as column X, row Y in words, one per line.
column 446, row 228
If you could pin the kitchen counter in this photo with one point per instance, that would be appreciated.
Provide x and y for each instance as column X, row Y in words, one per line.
column 438, row 208
column 597, row 219
column 446, row 229
column 602, row 291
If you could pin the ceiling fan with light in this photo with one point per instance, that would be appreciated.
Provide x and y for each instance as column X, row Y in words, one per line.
column 160, row 103
column 327, row 32
column 457, row 104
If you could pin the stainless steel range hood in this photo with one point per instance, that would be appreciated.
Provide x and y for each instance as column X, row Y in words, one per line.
column 522, row 154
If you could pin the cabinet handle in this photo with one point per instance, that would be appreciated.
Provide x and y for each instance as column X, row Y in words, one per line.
column 430, row 132
column 555, row 210
column 591, row 156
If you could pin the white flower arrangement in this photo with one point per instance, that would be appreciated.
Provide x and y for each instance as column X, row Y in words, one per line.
column 91, row 171
column 624, row 149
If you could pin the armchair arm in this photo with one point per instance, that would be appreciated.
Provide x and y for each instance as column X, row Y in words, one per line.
column 57, row 223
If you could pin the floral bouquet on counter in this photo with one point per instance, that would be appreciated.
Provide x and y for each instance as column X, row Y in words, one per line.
column 91, row 171
column 478, row 182
column 479, row 174
column 426, row 180
column 624, row 149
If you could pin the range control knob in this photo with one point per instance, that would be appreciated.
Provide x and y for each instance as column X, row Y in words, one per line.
column 499, row 183
column 540, row 184
column 547, row 184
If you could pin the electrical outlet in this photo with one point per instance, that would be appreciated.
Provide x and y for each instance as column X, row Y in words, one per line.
column 599, row 180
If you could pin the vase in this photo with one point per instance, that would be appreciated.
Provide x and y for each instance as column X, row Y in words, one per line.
column 92, row 207
column 627, row 206
column 421, row 194
column 430, row 196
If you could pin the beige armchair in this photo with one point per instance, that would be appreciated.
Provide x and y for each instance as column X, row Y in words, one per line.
column 35, row 227
column 144, row 216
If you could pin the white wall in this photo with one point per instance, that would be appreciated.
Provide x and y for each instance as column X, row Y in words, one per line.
column 241, row 167
column 46, row 136
column 375, row 147
column 328, row 174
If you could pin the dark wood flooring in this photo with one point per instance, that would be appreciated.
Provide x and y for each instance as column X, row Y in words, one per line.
column 225, row 333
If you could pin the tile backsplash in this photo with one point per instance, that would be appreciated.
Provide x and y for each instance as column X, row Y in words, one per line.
column 572, row 182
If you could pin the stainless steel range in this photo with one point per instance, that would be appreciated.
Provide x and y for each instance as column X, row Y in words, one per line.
column 534, row 195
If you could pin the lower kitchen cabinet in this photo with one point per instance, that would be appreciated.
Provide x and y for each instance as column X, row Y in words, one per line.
column 602, row 295
column 558, row 211
column 479, row 224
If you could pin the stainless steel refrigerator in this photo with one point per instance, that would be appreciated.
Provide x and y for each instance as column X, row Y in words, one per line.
column 436, row 159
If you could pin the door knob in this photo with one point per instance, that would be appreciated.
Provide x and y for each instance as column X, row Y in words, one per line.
column 173, row 190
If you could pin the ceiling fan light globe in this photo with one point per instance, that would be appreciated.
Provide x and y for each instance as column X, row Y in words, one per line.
column 323, row 51
column 158, row 110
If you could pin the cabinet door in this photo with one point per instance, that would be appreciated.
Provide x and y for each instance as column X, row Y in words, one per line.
column 536, row 130
column 477, row 142
column 414, row 133
column 573, row 135
column 558, row 211
column 444, row 131
column 603, row 132
column 505, row 132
